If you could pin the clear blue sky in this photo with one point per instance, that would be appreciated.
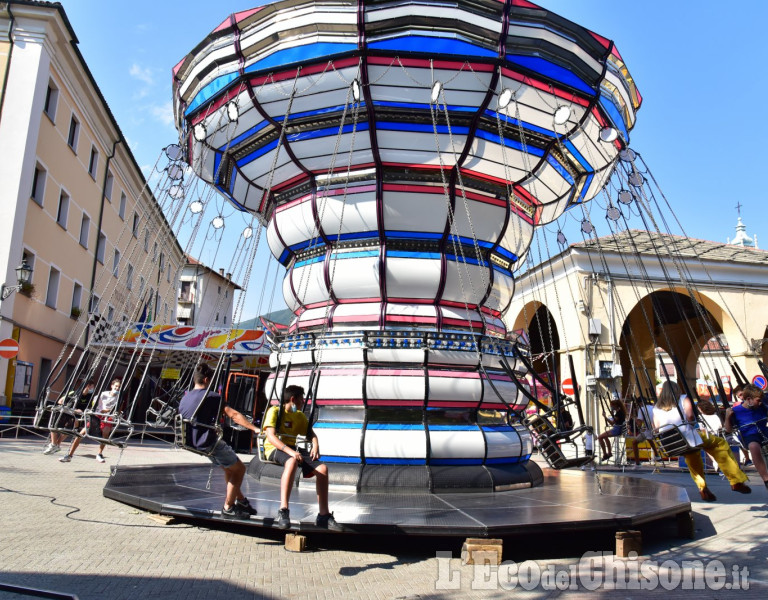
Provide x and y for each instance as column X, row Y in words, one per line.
column 700, row 67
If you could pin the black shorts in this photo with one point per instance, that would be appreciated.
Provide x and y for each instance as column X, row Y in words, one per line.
column 307, row 465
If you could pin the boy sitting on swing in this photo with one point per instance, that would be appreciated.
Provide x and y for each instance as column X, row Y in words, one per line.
column 280, row 447
column 204, row 407
column 750, row 418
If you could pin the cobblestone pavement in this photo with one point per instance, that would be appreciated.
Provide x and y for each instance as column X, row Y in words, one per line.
column 59, row 533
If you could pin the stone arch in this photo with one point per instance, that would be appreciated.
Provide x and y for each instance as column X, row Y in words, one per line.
column 543, row 333
column 680, row 323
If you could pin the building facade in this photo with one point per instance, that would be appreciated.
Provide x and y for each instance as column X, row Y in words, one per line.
column 74, row 204
column 206, row 297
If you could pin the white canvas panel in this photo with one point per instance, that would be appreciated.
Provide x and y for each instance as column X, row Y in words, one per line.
column 356, row 212
column 296, row 224
column 463, row 389
column 465, row 283
column 308, row 285
column 389, row 443
column 355, row 277
column 411, row 211
column 452, row 357
column 397, row 355
column 436, row 12
column 362, row 155
column 483, row 223
column 501, row 292
column 339, row 442
column 412, row 277
column 363, row 308
column 507, row 389
column 335, row 355
column 416, row 143
column 502, row 444
column 339, row 387
column 391, row 387
column 419, row 310
column 457, row 444
column 275, row 245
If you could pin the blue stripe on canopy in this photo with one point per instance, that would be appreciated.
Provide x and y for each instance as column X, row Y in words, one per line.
column 551, row 71
column 436, row 45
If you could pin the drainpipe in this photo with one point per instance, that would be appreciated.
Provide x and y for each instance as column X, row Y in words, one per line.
column 10, row 56
column 98, row 231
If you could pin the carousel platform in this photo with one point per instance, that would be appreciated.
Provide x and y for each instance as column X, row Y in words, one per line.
column 565, row 501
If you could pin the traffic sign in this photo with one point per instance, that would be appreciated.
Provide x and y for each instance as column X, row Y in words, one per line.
column 567, row 386
column 760, row 382
column 9, row 348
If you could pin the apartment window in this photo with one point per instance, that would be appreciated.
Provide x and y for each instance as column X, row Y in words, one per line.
column 38, row 185
column 63, row 210
column 53, row 287
column 129, row 277
column 162, row 262
column 29, row 257
column 94, row 307
column 74, row 133
column 217, row 317
column 154, row 253
column 108, row 186
column 77, row 296
column 46, row 364
column 141, row 285
column 85, row 230
column 146, row 240
column 110, row 313
column 116, row 263
column 165, row 312
column 123, row 201
column 101, row 248
column 51, row 101
column 168, row 275
column 93, row 163
column 225, row 319
column 136, row 225
column 219, row 293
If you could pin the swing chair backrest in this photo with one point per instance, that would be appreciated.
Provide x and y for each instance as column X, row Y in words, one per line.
column 119, row 428
column 672, row 441
column 550, row 442
column 183, row 434
column 162, row 412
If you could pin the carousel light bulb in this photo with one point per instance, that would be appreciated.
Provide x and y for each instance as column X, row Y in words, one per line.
column 437, row 87
column 356, row 90
column 233, row 112
column 175, row 172
column 173, row 152
column 196, row 207
column 625, row 197
column 218, row 222
column 176, row 192
column 608, row 134
column 562, row 114
column 199, row 132
column 247, row 232
column 587, row 227
column 505, row 98
column 627, row 155
column 636, row 179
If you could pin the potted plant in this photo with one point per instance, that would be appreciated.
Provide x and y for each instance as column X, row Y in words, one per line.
column 27, row 289
column 75, row 312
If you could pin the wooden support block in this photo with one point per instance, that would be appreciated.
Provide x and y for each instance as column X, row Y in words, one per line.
column 163, row 519
column 685, row 526
column 481, row 551
column 628, row 541
column 295, row 542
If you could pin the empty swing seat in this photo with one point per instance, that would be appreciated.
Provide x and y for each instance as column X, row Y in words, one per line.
column 550, row 442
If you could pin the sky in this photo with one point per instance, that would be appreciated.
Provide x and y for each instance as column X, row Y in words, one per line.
column 698, row 65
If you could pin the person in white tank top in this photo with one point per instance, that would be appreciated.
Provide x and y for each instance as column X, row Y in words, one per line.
column 674, row 408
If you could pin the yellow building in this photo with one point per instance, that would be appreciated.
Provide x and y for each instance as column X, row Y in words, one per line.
column 73, row 203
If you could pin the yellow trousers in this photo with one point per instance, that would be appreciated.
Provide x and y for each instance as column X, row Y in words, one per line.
column 720, row 451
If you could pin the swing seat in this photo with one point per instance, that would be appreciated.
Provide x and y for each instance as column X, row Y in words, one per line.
column 671, row 441
column 550, row 442
column 302, row 443
column 161, row 413
column 65, row 419
column 183, row 434
column 120, row 428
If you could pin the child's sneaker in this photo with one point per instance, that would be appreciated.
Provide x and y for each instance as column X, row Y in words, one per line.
column 283, row 520
column 100, row 458
column 246, row 506
column 235, row 512
column 66, row 458
column 328, row 522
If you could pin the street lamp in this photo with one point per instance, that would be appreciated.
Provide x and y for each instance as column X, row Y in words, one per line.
column 23, row 277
